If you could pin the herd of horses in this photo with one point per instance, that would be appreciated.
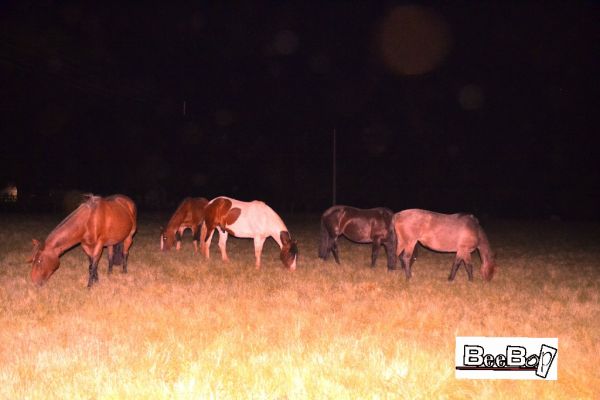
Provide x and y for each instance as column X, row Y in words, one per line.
column 111, row 222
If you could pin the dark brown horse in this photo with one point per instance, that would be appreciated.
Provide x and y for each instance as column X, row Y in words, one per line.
column 189, row 215
column 372, row 225
column 456, row 233
column 96, row 223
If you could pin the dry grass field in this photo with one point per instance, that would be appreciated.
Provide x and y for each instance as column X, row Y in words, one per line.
column 180, row 327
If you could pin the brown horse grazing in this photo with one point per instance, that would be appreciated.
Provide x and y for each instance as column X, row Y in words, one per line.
column 372, row 225
column 98, row 222
column 460, row 233
column 243, row 219
column 189, row 215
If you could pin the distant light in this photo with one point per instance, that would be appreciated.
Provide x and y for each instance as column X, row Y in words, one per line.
column 471, row 97
column 413, row 39
column 285, row 42
column 9, row 194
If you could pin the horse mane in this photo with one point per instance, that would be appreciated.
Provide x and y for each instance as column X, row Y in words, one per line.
column 90, row 198
column 176, row 217
column 87, row 203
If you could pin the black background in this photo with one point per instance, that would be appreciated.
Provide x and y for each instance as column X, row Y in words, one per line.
column 165, row 101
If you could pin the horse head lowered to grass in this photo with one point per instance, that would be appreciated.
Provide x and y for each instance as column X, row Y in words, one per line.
column 189, row 215
column 243, row 219
column 96, row 223
column 456, row 233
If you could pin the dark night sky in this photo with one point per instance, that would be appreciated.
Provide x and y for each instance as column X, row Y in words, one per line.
column 487, row 107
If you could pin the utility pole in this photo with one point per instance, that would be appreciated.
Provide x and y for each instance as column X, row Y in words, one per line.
column 334, row 172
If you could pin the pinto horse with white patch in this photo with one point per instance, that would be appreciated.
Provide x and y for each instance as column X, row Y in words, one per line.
column 243, row 219
column 189, row 215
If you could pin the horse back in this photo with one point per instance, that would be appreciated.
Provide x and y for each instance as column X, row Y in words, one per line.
column 441, row 232
column 359, row 225
column 243, row 219
column 190, row 212
column 111, row 220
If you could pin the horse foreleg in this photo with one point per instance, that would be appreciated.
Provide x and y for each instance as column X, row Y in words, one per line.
column 406, row 257
column 334, row 250
column 454, row 268
column 469, row 268
column 93, row 270
column 204, row 241
column 375, row 251
column 178, row 235
column 258, row 246
column 223, row 244
column 466, row 257
column 196, row 235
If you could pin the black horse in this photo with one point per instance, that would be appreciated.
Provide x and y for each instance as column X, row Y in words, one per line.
column 372, row 225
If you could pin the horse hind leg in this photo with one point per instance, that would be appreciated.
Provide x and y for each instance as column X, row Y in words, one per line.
column 258, row 246
column 407, row 258
column 223, row 244
column 111, row 258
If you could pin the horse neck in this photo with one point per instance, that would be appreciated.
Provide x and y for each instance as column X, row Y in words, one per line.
column 70, row 231
column 278, row 227
column 174, row 223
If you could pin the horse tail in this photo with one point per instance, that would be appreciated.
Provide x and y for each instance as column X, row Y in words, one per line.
column 488, row 264
column 325, row 244
column 118, row 254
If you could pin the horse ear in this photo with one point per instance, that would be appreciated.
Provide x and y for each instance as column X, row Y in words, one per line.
column 285, row 237
column 36, row 246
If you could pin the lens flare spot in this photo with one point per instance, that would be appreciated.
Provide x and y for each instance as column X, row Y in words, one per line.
column 413, row 40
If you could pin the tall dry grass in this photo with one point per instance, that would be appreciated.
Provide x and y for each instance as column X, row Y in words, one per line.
column 180, row 327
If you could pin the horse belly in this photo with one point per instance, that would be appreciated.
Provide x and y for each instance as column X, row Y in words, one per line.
column 358, row 232
column 242, row 228
column 438, row 243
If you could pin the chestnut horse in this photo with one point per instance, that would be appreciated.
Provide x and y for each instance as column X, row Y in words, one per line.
column 372, row 225
column 189, row 215
column 459, row 233
column 96, row 223
column 242, row 219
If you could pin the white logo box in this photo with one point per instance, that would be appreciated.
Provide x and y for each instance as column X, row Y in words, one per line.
column 483, row 357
